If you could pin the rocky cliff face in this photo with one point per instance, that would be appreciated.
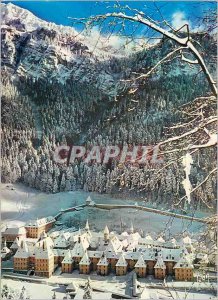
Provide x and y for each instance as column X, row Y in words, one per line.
column 38, row 49
column 58, row 89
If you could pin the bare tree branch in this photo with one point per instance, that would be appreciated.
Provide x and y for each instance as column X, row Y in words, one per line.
column 201, row 126
column 182, row 41
column 200, row 184
column 159, row 63
column 189, row 60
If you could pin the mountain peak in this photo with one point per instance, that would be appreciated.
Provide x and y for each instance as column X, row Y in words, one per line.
column 11, row 13
column 18, row 17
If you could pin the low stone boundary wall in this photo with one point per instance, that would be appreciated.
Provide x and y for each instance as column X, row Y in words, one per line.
column 153, row 210
column 73, row 208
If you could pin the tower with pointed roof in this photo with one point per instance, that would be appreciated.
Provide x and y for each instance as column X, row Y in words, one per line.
column 140, row 267
column 79, row 249
column 160, row 268
column 151, row 261
column 169, row 259
column 87, row 229
column 184, row 269
column 67, row 263
column 187, row 243
column 106, row 235
column 121, row 266
column 87, row 225
column 85, row 264
column 131, row 230
column 21, row 258
column 113, row 250
column 103, row 265
column 44, row 260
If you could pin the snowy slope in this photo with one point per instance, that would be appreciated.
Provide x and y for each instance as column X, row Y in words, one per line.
column 39, row 49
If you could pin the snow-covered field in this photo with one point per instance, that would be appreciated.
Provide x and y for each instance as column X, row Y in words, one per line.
column 58, row 284
column 120, row 220
column 24, row 203
column 34, row 290
column 20, row 203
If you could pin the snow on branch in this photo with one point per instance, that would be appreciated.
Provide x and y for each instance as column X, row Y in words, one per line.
column 189, row 60
column 194, row 130
column 187, row 161
column 143, row 76
column 200, row 184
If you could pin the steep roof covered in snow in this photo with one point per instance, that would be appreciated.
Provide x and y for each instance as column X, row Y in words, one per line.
column 121, row 261
column 125, row 234
column 114, row 245
column 171, row 254
column 44, row 252
column 140, row 263
column 184, row 263
column 61, row 242
column 186, row 240
column 103, row 261
column 160, row 239
column 96, row 253
column 40, row 222
column 80, row 247
column 16, row 244
column 106, row 230
column 67, row 258
column 22, row 251
column 48, row 241
column 148, row 253
column 148, row 237
column 85, row 259
column 132, row 255
column 160, row 263
column 60, row 252
column 14, row 231
column 147, row 240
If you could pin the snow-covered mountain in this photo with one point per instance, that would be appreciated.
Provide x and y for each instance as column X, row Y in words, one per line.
column 20, row 18
column 36, row 48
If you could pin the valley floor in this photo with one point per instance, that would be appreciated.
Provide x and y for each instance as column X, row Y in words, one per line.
column 20, row 204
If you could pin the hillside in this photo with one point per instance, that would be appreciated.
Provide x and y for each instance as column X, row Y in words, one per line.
column 59, row 89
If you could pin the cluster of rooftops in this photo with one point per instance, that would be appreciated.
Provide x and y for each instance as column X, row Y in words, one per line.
column 86, row 244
